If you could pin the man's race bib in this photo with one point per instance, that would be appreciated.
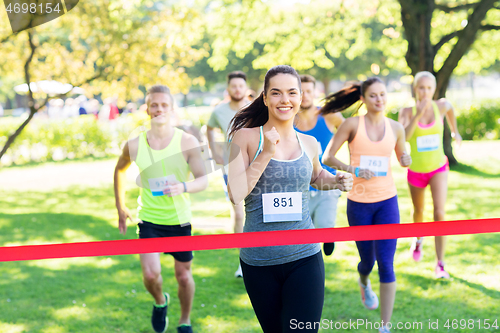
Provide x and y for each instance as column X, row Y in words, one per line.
column 378, row 164
column 158, row 185
column 427, row 142
column 282, row 207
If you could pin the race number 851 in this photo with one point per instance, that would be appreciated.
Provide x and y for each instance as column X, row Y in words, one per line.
column 285, row 202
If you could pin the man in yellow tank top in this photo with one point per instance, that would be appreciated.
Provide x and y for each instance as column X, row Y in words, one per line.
column 165, row 155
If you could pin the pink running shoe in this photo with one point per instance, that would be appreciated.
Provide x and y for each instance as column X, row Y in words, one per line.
column 416, row 249
column 440, row 272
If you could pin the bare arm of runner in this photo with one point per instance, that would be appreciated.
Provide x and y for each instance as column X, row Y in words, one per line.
column 321, row 179
column 409, row 121
column 400, row 148
column 243, row 174
column 346, row 132
column 119, row 185
column 192, row 153
column 452, row 119
column 213, row 146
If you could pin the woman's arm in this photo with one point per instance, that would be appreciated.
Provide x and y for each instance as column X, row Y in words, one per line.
column 449, row 111
column 409, row 121
column 346, row 132
column 400, row 148
column 343, row 134
column 243, row 175
column 321, row 179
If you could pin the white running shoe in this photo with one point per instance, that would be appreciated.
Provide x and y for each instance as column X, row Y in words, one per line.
column 368, row 297
column 238, row 273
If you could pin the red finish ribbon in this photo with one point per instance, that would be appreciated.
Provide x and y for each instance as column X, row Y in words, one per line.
column 249, row 239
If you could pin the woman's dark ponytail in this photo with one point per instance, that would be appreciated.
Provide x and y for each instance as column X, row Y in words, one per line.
column 341, row 100
column 253, row 115
column 347, row 96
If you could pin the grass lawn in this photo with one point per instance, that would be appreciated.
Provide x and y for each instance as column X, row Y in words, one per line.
column 106, row 294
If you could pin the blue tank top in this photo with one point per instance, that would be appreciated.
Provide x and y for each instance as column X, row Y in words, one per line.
column 294, row 177
column 322, row 133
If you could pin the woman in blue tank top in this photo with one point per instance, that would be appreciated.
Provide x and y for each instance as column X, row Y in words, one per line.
column 271, row 169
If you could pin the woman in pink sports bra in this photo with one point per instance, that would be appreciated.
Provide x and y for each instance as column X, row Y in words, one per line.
column 424, row 130
column 373, row 199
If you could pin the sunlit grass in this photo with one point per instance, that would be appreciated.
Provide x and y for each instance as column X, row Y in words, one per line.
column 106, row 294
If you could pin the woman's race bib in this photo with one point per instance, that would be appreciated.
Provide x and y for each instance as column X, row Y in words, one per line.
column 282, row 207
column 378, row 164
column 428, row 142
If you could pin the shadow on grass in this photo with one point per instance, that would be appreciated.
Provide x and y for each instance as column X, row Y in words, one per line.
column 482, row 289
column 472, row 171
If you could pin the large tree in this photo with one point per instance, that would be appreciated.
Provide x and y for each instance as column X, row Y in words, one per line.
column 343, row 38
column 445, row 38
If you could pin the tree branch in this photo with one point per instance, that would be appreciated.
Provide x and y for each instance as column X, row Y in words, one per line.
column 33, row 110
column 454, row 8
column 445, row 39
column 27, row 71
column 466, row 38
column 486, row 27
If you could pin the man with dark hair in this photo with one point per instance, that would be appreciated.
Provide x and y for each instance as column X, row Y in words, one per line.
column 322, row 204
column 220, row 118
column 165, row 156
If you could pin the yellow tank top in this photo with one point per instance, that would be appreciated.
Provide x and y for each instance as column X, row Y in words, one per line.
column 426, row 144
column 375, row 156
column 157, row 168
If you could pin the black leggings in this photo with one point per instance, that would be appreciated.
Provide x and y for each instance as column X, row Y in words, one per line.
column 287, row 297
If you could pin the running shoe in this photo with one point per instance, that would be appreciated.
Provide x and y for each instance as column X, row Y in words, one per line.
column 328, row 248
column 238, row 273
column 159, row 319
column 368, row 297
column 384, row 329
column 416, row 249
column 184, row 328
column 440, row 272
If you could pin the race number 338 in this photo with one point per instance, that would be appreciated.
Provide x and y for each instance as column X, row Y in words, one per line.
column 378, row 164
column 281, row 207
column 427, row 142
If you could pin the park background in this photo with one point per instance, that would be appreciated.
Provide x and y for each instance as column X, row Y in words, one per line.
column 56, row 169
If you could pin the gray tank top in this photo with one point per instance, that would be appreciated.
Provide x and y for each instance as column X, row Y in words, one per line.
column 291, row 179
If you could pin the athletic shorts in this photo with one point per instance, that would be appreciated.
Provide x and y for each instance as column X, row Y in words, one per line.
column 419, row 179
column 153, row 230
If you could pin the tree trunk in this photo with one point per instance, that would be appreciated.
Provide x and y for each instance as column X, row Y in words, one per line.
column 416, row 16
column 326, row 83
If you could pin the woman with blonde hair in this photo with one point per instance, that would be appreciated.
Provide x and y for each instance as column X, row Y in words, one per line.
column 424, row 124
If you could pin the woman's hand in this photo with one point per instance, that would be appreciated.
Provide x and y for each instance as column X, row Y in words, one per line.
column 366, row 174
column 405, row 160
column 271, row 139
column 344, row 181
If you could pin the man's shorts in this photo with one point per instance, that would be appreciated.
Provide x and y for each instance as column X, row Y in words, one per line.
column 153, row 230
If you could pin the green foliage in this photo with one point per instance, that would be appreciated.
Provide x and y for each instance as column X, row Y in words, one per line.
column 56, row 139
column 480, row 121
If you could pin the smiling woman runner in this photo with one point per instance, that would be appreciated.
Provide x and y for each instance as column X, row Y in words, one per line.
column 424, row 130
column 373, row 200
column 271, row 169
